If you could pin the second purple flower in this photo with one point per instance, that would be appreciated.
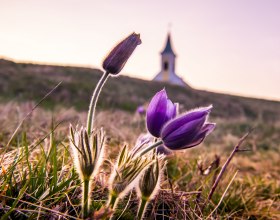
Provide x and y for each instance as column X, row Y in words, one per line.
column 187, row 130
column 181, row 132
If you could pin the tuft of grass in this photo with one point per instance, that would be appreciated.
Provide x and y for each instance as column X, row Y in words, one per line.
column 37, row 177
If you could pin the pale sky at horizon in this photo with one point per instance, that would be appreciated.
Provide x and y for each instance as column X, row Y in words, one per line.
column 228, row 46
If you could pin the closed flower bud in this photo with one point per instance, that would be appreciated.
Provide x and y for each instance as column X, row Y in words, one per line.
column 87, row 151
column 117, row 58
column 160, row 111
column 149, row 182
column 125, row 175
column 187, row 130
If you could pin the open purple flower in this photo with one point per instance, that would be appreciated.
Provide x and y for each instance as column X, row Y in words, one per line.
column 159, row 112
column 187, row 130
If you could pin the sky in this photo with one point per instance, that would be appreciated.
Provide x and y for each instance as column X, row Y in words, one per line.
column 229, row 46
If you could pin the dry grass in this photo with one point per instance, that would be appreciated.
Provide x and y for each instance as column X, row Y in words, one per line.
column 254, row 193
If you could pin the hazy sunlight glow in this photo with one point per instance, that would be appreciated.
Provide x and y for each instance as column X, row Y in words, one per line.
column 230, row 46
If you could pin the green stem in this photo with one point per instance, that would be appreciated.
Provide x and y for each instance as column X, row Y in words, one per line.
column 112, row 202
column 142, row 208
column 146, row 150
column 85, row 199
column 94, row 98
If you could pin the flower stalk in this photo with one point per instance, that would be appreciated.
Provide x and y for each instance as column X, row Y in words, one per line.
column 93, row 102
column 142, row 208
column 86, row 199
column 149, row 148
column 113, row 200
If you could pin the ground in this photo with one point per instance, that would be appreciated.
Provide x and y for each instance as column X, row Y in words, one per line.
column 38, row 180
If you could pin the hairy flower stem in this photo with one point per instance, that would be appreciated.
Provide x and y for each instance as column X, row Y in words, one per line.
column 94, row 98
column 85, row 199
column 142, row 208
column 146, row 150
column 113, row 201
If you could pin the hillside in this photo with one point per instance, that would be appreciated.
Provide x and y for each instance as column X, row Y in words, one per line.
column 20, row 82
column 37, row 170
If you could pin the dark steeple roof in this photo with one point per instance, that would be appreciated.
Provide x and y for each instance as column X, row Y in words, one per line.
column 168, row 47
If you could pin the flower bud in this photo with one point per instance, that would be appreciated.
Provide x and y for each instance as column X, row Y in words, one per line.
column 149, row 182
column 87, row 151
column 126, row 172
column 117, row 58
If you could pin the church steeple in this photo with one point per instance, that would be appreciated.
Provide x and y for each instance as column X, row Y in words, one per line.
column 168, row 47
column 167, row 72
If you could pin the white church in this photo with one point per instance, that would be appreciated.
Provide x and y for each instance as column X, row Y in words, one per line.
column 167, row 73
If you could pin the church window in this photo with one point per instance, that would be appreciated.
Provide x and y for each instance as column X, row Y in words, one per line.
column 165, row 66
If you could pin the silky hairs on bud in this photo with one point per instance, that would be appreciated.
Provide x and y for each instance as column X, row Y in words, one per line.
column 149, row 182
column 87, row 151
column 117, row 58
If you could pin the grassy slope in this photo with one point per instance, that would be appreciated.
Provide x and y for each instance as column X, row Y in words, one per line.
column 22, row 82
column 253, row 195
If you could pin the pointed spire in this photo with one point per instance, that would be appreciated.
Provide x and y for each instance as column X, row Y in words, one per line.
column 168, row 47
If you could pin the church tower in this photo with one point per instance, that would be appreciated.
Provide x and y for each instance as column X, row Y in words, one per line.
column 167, row 73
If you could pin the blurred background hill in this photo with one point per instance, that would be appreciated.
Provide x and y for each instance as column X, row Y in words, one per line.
column 26, row 82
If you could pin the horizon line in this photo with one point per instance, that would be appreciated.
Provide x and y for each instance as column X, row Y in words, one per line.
column 20, row 61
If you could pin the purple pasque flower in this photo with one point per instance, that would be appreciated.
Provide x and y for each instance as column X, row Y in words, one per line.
column 141, row 110
column 117, row 58
column 187, row 130
column 159, row 111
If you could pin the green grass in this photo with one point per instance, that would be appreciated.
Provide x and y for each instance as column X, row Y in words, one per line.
column 36, row 179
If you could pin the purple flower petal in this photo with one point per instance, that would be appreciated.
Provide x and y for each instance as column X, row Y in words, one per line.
column 188, row 130
column 207, row 129
column 171, row 110
column 200, row 113
column 183, row 135
column 160, row 110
